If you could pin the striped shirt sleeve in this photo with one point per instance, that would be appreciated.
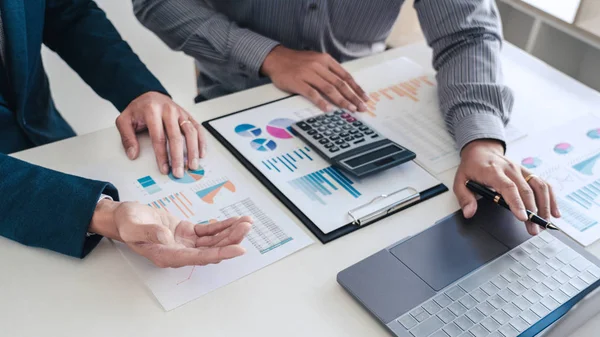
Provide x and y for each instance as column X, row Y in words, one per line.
column 205, row 34
column 466, row 38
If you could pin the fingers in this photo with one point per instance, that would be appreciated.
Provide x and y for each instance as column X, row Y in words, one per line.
column 338, row 91
column 191, row 141
column 509, row 191
column 346, row 77
column 159, row 141
column 217, row 227
column 175, row 257
column 176, row 141
column 201, row 137
column 525, row 191
column 554, row 210
column 314, row 96
column 128, row 136
column 466, row 198
column 230, row 236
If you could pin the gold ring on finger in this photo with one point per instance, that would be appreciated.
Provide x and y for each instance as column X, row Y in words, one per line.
column 184, row 122
column 529, row 177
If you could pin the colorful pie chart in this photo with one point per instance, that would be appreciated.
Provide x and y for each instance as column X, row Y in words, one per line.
column 189, row 177
column 531, row 162
column 563, row 148
column 263, row 145
column 248, row 130
column 594, row 134
column 280, row 128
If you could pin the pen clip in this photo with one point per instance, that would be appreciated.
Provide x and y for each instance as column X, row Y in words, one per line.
column 369, row 217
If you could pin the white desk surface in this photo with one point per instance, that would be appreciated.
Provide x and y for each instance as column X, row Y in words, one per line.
column 47, row 294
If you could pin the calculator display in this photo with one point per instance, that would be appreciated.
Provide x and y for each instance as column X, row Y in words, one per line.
column 377, row 154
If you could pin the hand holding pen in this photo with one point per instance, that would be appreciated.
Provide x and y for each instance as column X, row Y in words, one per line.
column 483, row 161
column 488, row 194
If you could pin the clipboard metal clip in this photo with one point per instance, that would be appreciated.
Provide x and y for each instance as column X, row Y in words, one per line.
column 377, row 214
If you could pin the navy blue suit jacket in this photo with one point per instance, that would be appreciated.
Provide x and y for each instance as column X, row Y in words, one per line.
column 40, row 207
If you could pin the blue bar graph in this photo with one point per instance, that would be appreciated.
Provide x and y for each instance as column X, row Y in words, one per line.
column 574, row 217
column 288, row 162
column 323, row 183
column 587, row 196
column 149, row 185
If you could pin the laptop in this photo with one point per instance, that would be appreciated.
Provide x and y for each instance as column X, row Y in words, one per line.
column 484, row 276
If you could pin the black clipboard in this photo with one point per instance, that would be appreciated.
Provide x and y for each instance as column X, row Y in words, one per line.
column 346, row 229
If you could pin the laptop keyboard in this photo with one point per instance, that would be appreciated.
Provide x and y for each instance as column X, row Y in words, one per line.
column 506, row 296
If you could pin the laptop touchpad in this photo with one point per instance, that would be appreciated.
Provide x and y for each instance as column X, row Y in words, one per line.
column 448, row 251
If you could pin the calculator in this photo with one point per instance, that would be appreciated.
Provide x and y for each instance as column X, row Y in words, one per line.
column 350, row 144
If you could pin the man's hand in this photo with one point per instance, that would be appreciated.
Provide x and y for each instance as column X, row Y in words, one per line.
column 314, row 75
column 164, row 239
column 168, row 125
column 483, row 161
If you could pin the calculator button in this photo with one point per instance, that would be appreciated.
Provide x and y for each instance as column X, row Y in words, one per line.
column 345, row 115
column 344, row 134
column 369, row 132
column 359, row 141
column 329, row 145
column 317, row 124
column 318, row 136
column 337, row 130
column 311, row 120
column 338, row 112
column 324, row 141
column 331, row 125
column 322, row 129
column 347, row 127
column 345, row 146
column 358, row 135
column 328, row 133
column 303, row 126
column 349, row 138
column 362, row 128
column 375, row 136
column 351, row 119
column 330, row 114
column 354, row 131
column 311, row 132
column 357, row 123
column 340, row 141
column 334, row 149
column 340, row 123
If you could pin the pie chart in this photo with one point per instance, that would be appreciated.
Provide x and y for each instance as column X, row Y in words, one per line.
column 531, row 162
column 248, row 130
column 280, row 128
column 263, row 145
column 594, row 134
column 563, row 148
column 189, row 176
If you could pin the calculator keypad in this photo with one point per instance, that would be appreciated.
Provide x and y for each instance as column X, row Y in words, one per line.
column 337, row 132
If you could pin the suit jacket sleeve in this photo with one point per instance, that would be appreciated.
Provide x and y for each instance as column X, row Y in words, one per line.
column 83, row 36
column 48, row 209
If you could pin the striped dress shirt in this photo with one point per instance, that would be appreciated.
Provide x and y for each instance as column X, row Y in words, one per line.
column 231, row 38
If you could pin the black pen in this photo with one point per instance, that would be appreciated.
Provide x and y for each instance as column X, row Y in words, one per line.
column 486, row 193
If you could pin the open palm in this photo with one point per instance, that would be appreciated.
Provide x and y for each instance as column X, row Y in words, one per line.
column 170, row 242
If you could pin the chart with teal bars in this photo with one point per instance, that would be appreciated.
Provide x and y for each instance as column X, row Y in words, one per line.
column 324, row 184
column 568, row 158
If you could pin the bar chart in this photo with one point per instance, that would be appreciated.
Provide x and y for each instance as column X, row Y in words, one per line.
column 323, row 183
column 575, row 218
column 409, row 89
column 149, row 185
column 288, row 162
column 587, row 196
column 178, row 204
column 265, row 235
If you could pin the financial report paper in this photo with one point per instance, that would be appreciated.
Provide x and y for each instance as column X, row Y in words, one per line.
column 568, row 158
column 213, row 192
